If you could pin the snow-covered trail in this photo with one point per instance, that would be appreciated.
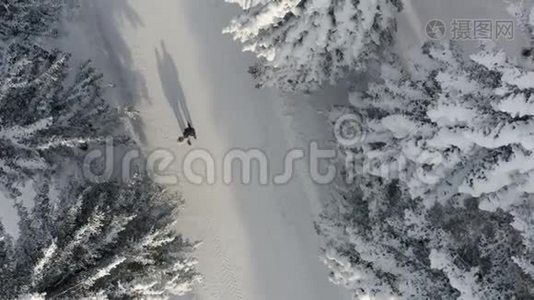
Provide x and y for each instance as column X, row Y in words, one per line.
column 258, row 241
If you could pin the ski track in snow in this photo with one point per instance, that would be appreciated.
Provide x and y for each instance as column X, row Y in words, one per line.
column 258, row 242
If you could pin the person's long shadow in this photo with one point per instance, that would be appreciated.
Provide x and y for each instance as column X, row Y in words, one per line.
column 170, row 82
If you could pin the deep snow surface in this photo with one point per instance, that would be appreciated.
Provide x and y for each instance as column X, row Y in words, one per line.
column 169, row 56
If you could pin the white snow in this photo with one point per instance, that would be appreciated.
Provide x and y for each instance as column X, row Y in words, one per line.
column 399, row 125
column 47, row 256
column 258, row 241
column 8, row 212
column 464, row 282
column 517, row 105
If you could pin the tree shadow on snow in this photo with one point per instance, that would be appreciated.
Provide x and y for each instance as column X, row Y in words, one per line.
column 125, row 11
column 130, row 85
column 170, row 83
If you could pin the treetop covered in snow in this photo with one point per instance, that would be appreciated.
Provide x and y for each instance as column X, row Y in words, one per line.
column 47, row 111
column 303, row 44
column 107, row 240
column 442, row 203
column 24, row 18
column 465, row 125
column 112, row 239
column 382, row 243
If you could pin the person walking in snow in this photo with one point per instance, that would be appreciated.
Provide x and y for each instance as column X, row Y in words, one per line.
column 189, row 132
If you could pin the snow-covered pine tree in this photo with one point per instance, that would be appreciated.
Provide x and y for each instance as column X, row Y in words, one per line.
column 48, row 113
column 106, row 240
column 523, row 12
column 29, row 18
column 302, row 44
column 7, row 265
column 451, row 137
column 382, row 243
column 368, row 248
column 452, row 126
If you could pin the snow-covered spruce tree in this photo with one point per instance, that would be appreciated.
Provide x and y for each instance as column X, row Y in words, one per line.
column 382, row 243
column 302, row 44
column 368, row 249
column 105, row 240
column 442, row 206
column 452, row 126
column 29, row 18
column 523, row 12
column 48, row 113
column 7, row 265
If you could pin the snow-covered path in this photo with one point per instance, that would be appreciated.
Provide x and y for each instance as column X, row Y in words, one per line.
column 258, row 241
